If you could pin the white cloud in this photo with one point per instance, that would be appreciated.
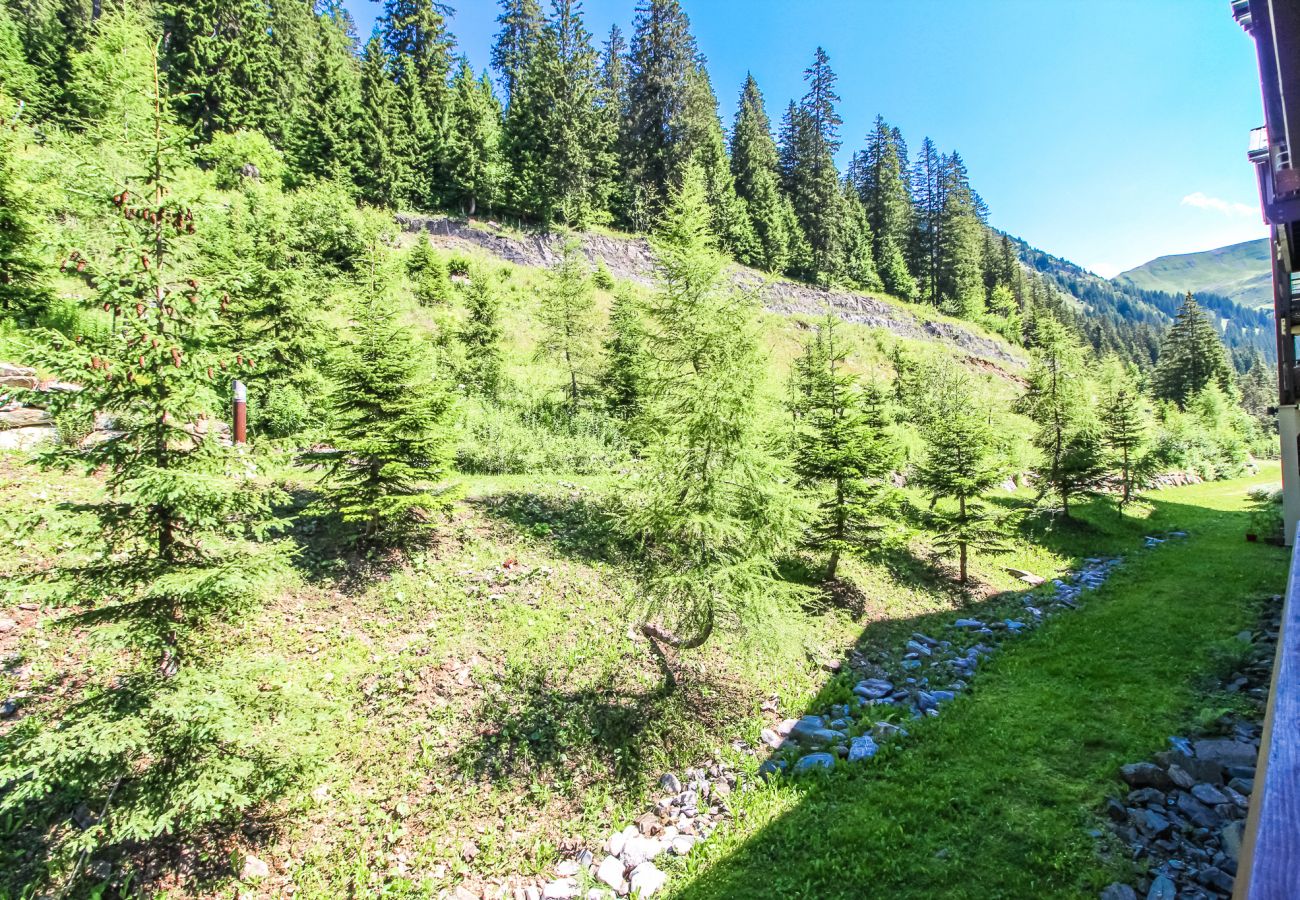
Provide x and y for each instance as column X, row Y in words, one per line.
column 1215, row 204
column 1105, row 269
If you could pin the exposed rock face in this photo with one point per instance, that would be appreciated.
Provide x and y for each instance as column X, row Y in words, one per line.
column 631, row 259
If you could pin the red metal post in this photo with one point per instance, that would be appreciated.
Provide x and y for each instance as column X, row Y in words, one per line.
column 241, row 413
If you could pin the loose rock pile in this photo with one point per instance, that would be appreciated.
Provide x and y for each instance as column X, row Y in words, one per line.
column 1184, row 814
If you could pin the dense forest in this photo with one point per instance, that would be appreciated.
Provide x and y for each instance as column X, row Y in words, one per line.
column 192, row 192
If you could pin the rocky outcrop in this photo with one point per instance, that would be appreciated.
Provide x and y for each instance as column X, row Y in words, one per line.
column 631, row 259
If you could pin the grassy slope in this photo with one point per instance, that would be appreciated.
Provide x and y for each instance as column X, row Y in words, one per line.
column 1240, row 272
column 995, row 798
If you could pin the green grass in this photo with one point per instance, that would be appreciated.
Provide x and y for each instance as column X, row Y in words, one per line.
column 996, row 797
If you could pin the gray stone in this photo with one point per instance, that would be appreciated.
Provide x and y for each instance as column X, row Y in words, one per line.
column 1216, row 878
column 1145, row 774
column 1243, row 785
column 815, row 761
column 805, row 727
column 1146, row 797
column 1180, row 776
column 1226, row 752
column 1162, row 889
column 646, row 880
column 641, row 849
column 254, row 869
column 862, row 747
column 610, row 872
column 1198, row 813
column 1230, row 839
column 770, row 767
column 561, row 889
column 1210, row 795
column 823, row 736
column 27, row 438
column 1118, row 891
column 1151, row 823
column 873, row 688
column 1200, row 769
column 8, row 708
column 968, row 623
column 785, row 726
column 682, row 844
column 771, row 738
column 669, row 782
column 567, row 868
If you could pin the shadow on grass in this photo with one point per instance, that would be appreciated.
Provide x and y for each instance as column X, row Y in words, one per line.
column 577, row 523
column 994, row 798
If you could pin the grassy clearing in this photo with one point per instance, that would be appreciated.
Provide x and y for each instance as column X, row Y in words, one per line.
column 996, row 797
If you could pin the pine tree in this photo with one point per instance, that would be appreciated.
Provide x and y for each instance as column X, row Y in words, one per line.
column 327, row 141
column 928, row 201
column 384, row 178
column 840, row 442
column 882, row 184
column 475, row 169
column 521, row 24
column 612, row 108
column 1191, row 356
column 568, row 320
column 810, row 138
column 711, row 506
column 754, row 164
column 165, row 560
column 859, row 268
column 960, row 463
column 393, row 439
column 426, row 269
column 19, row 79
column 1124, row 421
column 480, row 334
column 660, row 64
column 623, row 377
column 23, row 293
column 960, row 246
column 1058, row 402
column 702, row 134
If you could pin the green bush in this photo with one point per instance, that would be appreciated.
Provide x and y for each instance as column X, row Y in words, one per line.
column 458, row 264
column 228, row 153
column 602, row 278
column 327, row 225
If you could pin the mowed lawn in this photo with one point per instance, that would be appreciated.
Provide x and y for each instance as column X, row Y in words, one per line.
column 996, row 798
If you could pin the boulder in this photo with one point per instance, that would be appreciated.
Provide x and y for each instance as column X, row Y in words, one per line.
column 1162, row 889
column 1118, row 891
column 1225, row 752
column 862, row 747
column 610, row 872
column 254, row 869
column 561, row 889
column 641, row 849
column 27, row 438
column 24, row 417
column 1145, row 774
column 646, row 880
column 815, row 761
column 873, row 688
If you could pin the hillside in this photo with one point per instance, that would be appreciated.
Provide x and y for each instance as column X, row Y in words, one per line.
column 1239, row 272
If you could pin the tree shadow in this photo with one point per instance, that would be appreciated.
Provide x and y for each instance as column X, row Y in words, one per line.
column 576, row 524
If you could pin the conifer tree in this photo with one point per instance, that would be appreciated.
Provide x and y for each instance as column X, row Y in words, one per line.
column 928, row 202
column 702, row 133
column 165, row 559
column 393, row 437
column 1191, row 356
column 660, row 63
column 754, row 164
column 623, row 377
column 23, row 293
column 961, row 463
column 417, row 140
column 810, row 138
column 480, row 334
column 711, row 506
column 327, row 140
column 568, row 319
column 521, row 24
column 475, row 169
column 840, row 442
column 859, row 268
column 1058, row 402
column 612, row 107
column 384, row 179
column 960, row 246
column 1124, row 421
column 882, row 184
column 427, row 270
column 19, row 79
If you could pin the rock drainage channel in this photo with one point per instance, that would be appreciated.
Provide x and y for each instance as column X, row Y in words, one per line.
column 929, row 673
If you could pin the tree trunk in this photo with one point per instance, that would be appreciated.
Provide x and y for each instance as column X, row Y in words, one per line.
column 658, row 636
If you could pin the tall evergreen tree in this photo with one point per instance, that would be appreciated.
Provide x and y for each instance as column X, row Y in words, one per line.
column 419, row 46
column 961, row 463
column 568, row 319
column 480, row 334
column 840, row 442
column 858, row 267
column 661, row 61
column 1124, row 422
column 384, row 179
column 23, row 292
column 754, row 163
column 327, row 140
column 960, row 245
column 928, row 202
column 521, row 24
column 882, row 184
column 702, row 133
column 393, row 435
column 711, row 507
column 1066, row 434
column 475, row 169
column 1191, row 356
column 623, row 376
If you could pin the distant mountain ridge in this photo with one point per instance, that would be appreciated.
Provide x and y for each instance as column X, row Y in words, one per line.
column 1240, row 272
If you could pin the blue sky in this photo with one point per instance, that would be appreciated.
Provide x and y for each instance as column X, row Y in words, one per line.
column 1108, row 132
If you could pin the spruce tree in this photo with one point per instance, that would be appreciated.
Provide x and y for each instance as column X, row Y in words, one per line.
column 859, row 268
column 883, row 186
column 521, row 24
column 961, row 463
column 754, row 164
column 415, row 38
column 384, row 179
column 1191, row 356
column 428, row 272
column 480, row 334
column 840, row 443
column 162, row 740
column 1124, row 422
column 661, row 61
column 23, row 293
column 702, row 135
column 960, row 246
column 1066, row 431
column 623, row 375
column 568, row 320
column 393, row 438
column 475, row 169
column 710, row 506
column 326, row 143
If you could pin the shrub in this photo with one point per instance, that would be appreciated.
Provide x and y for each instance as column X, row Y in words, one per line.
column 229, row 152
column 327, row 225
column 541, row 438
column 602, row 278
column 459, row 265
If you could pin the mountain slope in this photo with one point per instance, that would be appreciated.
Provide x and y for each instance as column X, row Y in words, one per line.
column 1239, row 272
